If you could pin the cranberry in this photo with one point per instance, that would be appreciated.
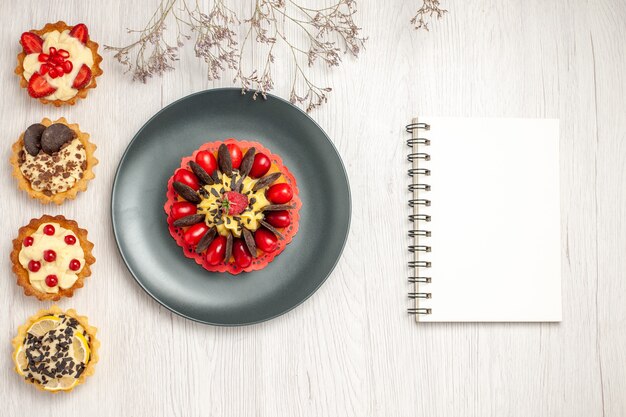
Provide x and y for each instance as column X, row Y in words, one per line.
column 70, row 240
column 28, row 241
column 34, row 266
column 48, row 230
column 52, row 280
column 49, row 255
column 74, row 264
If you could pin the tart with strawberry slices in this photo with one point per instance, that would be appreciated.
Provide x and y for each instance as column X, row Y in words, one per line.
column 51, row 257
column 55, row 350
column 59, row 63
column 232, row 206
column 53, row 161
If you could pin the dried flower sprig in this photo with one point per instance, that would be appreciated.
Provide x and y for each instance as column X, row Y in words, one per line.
column 326, row 30
column 425, row 14
column 215, row 40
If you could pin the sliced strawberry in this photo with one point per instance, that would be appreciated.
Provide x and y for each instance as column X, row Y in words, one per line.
column 234, row 203
column 83, row 77
column 80, row 32
column 39, row 87
column 31, row 43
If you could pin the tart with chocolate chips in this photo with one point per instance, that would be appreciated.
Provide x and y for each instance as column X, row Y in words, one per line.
column 55, row 350
column 53, row 161
column 59, row 63
column 232, row 206
column 51, row 257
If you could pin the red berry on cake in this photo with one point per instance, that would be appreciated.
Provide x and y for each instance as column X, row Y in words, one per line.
column 216, row 251
column 75, row 265
column 187, row 178
column 280, row 193
column 207, row 161
column 52, row 280
column 34, row 266
column 182, row 209
column 193, row 235
column 260, row 166
column 242, row 255
column 235, row 155
column 280, row 218
column 49, row 255
column 265, row 240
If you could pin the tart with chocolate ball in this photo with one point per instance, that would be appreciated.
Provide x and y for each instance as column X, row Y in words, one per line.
column 59, row 63
column 51, row 257
column 232, row 206
column 53, row 161
column 55, row 350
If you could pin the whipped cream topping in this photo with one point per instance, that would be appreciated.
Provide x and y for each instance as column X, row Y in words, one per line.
column 60, row 267
column 79, row 55
column 53, row 174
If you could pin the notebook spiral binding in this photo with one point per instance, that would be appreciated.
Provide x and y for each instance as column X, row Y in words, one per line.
column 417, row 173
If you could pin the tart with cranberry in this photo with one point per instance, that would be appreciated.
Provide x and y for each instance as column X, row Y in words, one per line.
column 55, row 350
column 59, row 63
column 51, row 257
column 53, row 161
column 232, row 206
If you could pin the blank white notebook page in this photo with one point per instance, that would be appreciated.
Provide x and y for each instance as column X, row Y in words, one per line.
column 495, row 220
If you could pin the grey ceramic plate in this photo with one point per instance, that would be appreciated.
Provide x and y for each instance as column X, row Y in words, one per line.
column 158, row 264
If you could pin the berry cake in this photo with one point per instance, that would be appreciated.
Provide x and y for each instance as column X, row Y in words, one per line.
column 59, row 63
column 51, row 257
column 55, row 350
column 232, row 206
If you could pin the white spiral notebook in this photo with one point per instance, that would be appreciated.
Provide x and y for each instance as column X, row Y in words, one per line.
column 485, row 239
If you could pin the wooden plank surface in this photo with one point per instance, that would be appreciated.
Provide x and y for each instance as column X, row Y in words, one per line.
column 351, row 350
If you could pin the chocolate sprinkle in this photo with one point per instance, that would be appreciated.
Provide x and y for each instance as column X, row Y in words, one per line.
column 229, row 247
column 266, row 181
column 271, row 229
column 206, row 240
column 224, row 160
column 277, row 207
column 189, row 220
column 202, row 175
column 186, row 192
column 249, row 240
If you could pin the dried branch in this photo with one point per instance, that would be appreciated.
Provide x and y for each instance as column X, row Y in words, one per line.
column 425, row 14
column 151, row 54
column 327, row 31
column 324, row 29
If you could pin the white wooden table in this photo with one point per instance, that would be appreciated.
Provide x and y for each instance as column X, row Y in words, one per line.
column 351, row 350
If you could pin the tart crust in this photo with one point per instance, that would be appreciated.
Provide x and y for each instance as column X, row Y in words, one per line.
column 80, row 185
column 22, row 273
column 95, row 68
column 94, row 344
